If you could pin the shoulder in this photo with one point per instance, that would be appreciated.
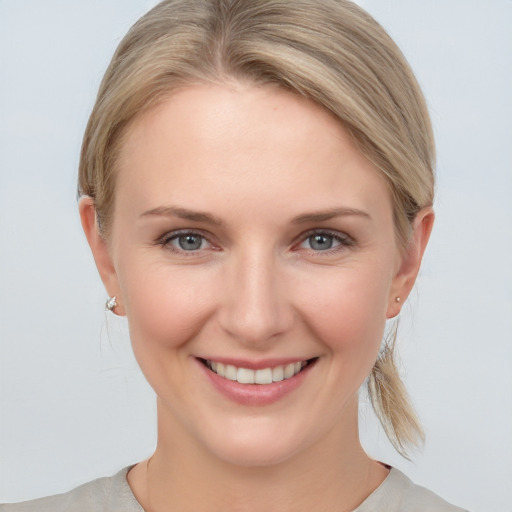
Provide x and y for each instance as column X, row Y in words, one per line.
column 110, row 494
column 415, row 496
column 399, row 494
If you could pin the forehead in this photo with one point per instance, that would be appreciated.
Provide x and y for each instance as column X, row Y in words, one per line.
column 211, row 142
column 228, row 113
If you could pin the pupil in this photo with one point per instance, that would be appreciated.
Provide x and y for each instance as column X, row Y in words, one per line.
column 320, row 242
column 189, row 242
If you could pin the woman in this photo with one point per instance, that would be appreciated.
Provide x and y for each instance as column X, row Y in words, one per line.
column 256, row 186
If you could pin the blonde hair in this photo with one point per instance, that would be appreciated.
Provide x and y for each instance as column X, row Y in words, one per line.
column 330, row 51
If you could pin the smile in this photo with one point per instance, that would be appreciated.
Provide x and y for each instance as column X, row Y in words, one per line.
column 261, row 376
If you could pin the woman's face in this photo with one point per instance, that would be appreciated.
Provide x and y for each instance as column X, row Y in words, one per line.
column 251, row 240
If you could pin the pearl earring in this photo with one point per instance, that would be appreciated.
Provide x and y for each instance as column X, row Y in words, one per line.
column 111, row 304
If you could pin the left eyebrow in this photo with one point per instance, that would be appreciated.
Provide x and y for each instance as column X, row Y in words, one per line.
column 182, row 213
column 329, row 214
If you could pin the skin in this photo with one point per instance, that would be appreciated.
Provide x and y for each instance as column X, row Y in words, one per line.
column 257, row 160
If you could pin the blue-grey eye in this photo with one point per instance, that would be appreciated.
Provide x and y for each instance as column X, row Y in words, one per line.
column 321, row 242
column 189, row 242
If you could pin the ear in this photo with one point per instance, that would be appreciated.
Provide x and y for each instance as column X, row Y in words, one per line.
column 410, row 261
column 100, row 250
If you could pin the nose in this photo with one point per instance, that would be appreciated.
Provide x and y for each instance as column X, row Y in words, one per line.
column 256, row 308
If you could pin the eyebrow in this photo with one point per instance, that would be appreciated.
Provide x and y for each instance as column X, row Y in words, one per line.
column 182, row 213
column 197, row 216
column 329, row 214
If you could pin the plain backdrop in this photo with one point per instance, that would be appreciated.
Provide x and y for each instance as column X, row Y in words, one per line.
column 73, row 404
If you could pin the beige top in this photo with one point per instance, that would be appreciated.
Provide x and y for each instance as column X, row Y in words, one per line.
column 113, row 494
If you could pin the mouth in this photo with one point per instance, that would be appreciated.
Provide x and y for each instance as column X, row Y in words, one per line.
column 261, row 376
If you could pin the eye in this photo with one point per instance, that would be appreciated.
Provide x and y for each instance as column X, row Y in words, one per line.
column 319, row 241
column 187, row 241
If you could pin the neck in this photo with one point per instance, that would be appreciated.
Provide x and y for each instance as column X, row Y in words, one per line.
column 332, row 474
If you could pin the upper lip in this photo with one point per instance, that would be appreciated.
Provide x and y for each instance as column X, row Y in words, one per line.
column 256, row 365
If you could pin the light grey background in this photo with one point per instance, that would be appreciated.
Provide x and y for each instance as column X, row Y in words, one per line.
column 73, row 404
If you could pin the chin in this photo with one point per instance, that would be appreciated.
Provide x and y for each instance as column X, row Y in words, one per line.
column 255, row 447
column 254, row 455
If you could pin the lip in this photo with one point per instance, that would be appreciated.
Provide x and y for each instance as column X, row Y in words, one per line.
column 254, row 365
column 255, row 394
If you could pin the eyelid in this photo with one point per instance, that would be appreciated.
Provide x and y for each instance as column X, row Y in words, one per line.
column 166, row 239
column 345, row 240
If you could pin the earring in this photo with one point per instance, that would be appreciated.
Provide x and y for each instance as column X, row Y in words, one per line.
column 397, row 299
column 111, row 304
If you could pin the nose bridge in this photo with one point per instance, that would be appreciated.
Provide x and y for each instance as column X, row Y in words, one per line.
column 256, row 307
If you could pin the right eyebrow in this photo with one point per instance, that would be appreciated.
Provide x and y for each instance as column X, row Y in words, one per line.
column 329, row 214
column 182, row 213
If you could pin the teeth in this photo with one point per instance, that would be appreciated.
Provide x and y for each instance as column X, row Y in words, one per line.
column 277, row 374
column 263, row 376
column 245, row 376
column 231, row 372
column 289, row 370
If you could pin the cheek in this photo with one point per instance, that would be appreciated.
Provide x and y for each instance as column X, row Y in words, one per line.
column 347, row 309
column 165, row 307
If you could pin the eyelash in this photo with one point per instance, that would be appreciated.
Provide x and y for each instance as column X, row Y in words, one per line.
column 165, row 241
column 344, row 241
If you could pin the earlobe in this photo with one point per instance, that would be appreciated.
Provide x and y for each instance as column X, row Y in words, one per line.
column 100, row 249
column 410, row 261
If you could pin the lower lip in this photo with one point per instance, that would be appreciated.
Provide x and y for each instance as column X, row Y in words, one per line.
column 255, row 394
